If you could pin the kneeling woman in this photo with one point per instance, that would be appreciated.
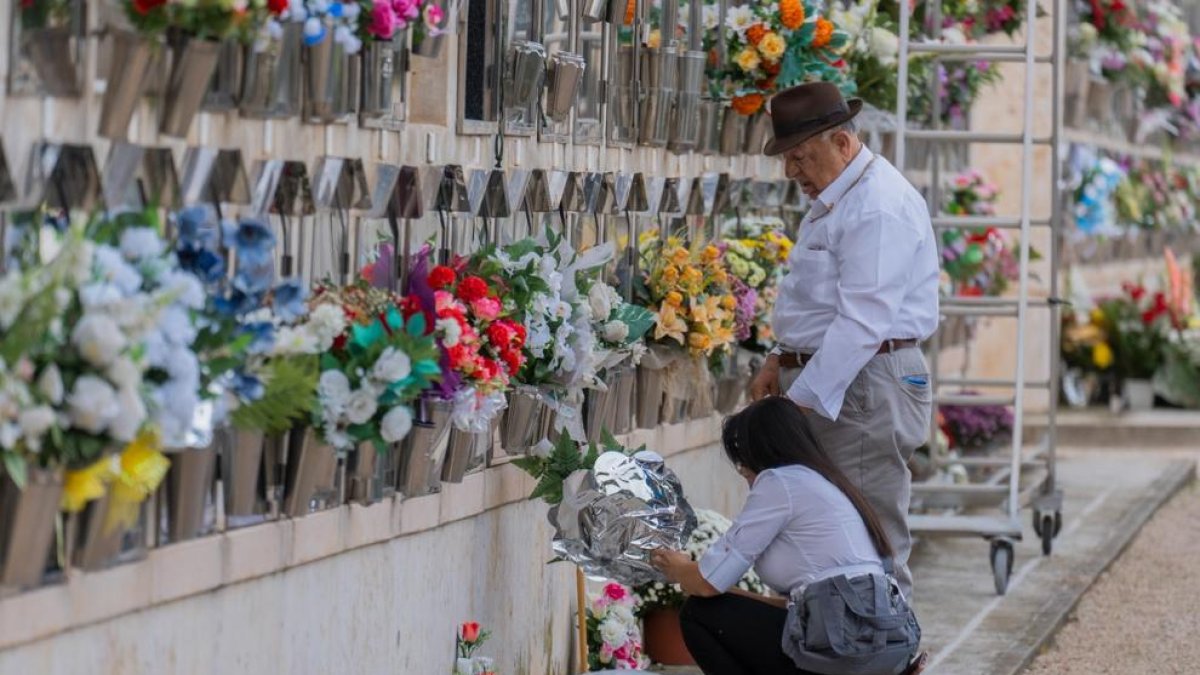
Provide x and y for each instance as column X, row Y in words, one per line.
column 804, row 522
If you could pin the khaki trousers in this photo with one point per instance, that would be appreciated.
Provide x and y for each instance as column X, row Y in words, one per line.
column 885, row 418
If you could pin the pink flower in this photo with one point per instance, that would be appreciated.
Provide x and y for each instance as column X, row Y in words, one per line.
column 383, row 21
column 487, row 309
column 406, row 10
column 606, row 653
column 434, row 16
column 443, row 300
column 616, row 592
column 622, row 653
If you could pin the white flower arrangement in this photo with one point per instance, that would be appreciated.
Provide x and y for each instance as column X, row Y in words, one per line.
column 101, row 317
column 710, row 527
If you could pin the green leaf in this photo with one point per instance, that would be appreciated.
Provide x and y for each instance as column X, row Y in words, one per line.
column 638, row 318
column 416, row 324
column 15, row 467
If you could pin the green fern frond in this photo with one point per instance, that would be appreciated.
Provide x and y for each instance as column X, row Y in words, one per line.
column 291, row 386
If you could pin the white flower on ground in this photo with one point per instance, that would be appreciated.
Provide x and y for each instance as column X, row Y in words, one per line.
column 393, row 365
column 92, row 404
column 50, row 384
column 361, row 406
column 396, row 424
column 98, row 339
column 132, row 413
column 138, row 243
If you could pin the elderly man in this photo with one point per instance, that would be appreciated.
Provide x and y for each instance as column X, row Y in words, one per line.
column 860, row 295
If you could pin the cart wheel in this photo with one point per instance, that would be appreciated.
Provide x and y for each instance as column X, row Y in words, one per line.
column 1002, row 563
column 1037, row 523
column 1057, row 522
column 1047, row 532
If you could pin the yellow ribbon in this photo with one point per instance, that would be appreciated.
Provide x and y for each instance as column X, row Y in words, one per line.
column 134, row 474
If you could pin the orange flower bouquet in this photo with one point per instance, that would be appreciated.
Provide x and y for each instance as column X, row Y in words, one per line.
column 772, row 45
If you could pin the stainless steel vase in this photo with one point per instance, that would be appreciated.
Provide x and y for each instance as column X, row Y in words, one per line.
column 193, row 62
column 271, row 83
column 27, row 519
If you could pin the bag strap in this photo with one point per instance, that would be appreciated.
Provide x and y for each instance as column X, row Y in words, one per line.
column 852, row 601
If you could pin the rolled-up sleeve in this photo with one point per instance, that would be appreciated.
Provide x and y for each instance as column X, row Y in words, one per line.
column 768, row 509
column 874, row 260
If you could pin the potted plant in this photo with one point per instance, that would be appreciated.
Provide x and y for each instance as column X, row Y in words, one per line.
column 100, row 331
column 369, row 380
column 690, row 292
column 772, row 46
column 537, row 281
column 658, row 603
column 614, row 638
column 1138, row 323
column 482, row 350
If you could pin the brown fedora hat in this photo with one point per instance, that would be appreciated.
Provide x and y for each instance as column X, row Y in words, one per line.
column 799, row 113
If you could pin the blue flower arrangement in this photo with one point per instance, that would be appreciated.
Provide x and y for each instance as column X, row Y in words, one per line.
column 243, row 309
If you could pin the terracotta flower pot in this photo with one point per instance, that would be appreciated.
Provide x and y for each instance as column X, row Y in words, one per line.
column 663, row 638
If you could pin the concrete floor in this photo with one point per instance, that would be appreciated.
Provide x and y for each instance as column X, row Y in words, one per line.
column 969, row 630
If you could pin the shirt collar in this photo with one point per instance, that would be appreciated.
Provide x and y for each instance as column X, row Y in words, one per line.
column 834, row 191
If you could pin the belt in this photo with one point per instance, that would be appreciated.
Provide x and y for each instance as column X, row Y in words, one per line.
column 797, row 360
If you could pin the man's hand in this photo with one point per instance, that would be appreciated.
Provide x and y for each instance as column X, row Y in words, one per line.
column 766, row 381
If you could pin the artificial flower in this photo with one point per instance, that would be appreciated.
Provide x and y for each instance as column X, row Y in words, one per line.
column 748, row 59
column 748, row 104
column 772, row 46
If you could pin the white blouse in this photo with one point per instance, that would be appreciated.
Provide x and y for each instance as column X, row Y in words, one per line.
column 796, row 528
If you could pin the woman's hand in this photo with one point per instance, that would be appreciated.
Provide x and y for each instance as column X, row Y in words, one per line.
column 673, row 564
column 680, row 569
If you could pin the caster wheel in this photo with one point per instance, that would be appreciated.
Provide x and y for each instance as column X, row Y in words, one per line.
column 1047, row 532
column 1037, row 523
column 1057, row 522
column 1002, row 564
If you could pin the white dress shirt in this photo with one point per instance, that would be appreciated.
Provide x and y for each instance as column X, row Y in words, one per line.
column 863, row 271
column 796, row 528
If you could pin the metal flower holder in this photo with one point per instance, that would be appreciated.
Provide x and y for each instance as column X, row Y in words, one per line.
column 193, row 62
column 331, row 78
column 467, row 452
column 757, row 129
column 370, row 473
column 311, row 482
column 225, row 86
column 133, row 59
column 106, row 532
column 564, row 79
column 527, row 421
column 57, row 50
column 612, row 410
column 610, row 11
column 733, row 132
column 271, row 81
column 685, row 132
column 27, row 517
column 661, row 70
column 384, row 63
column 187, row 498
column 423, row 451
column 242, row 474
column 622, row 103
column 137, row 176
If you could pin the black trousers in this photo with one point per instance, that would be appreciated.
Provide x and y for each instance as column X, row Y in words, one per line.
column 735, row 635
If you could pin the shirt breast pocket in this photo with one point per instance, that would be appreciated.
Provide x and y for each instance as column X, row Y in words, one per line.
column 815, row 275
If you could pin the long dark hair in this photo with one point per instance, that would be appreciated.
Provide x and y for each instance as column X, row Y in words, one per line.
column 773, row 432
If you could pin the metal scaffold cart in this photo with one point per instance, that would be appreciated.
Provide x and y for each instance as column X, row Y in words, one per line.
column 989, row 505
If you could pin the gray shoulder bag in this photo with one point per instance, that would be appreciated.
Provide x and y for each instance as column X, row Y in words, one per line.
column 857, row 626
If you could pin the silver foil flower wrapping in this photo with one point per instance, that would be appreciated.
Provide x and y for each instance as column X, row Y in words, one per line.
column 611, row 517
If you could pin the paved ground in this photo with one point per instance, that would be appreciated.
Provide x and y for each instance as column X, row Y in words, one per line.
column 1141, row 615
column 969, row 630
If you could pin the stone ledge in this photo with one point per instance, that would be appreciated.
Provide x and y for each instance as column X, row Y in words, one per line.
column 1099, row 428
column 185, row 569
